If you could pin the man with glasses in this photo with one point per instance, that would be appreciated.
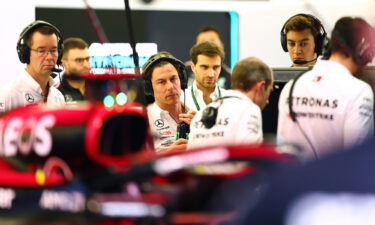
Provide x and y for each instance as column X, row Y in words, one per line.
column 76, row 61
column 39, row 47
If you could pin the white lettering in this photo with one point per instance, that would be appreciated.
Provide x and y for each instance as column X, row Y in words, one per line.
column 25, row 135
column 6, row 198
column 43, row 138
column 62, row 200
column 11, row 136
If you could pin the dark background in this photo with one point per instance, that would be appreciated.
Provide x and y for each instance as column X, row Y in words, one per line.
column 172, row 31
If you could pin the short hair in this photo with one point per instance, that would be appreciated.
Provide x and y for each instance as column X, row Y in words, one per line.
column 249, row 71
column 302, row 22
column 207, row 29
column 206, row 48
column 348, row 34
column 73, row 43
column 43, row 29
column 148, row 73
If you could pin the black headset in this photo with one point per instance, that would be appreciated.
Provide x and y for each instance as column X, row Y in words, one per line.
column 24, row 51
column 293, row 114
column 181, row 69
column 320, row 41
column 209, row 114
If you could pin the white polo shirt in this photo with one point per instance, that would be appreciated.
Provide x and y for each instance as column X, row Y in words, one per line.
column 334, row 109
column 194, row 96
column 163, row 127
column 24, row 90
column 239, row 121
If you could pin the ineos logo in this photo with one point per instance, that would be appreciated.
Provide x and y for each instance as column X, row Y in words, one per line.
column 23, row 135
column 159, row 123
column 29, row 98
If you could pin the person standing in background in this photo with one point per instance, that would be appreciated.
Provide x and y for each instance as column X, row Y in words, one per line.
column 211, row 33
column 207, row 59
column 76, row 61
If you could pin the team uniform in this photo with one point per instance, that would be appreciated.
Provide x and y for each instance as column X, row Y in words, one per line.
column 163, row 127
column 71, row 94
column 334, row 110
column 194, row 96
column 25, row 90
column 239, row 121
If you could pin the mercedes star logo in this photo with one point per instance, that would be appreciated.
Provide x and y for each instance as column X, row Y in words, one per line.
column 29, row 98
column 159, row 123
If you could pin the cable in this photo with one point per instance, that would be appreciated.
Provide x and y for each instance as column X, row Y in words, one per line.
column 293, row 114
column 184, row 100
column 131, row 37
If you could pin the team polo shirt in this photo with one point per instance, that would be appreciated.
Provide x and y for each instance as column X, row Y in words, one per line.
column 72, row 95
column 239, row 121
column 334, row 110
column 194, row 96
column 24, row 90
column 163, row 127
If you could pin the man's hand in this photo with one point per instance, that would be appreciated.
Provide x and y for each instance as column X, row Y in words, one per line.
column 187, row 117
column 179, row 145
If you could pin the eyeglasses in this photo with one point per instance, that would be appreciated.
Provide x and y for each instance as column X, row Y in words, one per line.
column 81, row 60
column 43, row 52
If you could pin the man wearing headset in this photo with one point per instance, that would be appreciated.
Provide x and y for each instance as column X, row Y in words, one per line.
column 303, row 37
column 328, row 107
column 235, row 118
column 76, row 61
column 207, row 59
column 162, row 74
column 38, row 47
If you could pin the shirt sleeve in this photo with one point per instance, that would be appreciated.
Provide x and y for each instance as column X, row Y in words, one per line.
column 5, row 101
column 359, row 119
column 249, row 126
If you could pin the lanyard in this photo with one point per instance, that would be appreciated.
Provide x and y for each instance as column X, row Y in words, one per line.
column 195, row 99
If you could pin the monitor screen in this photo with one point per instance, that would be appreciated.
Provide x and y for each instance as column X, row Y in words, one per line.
column 284, row 74
column 118, row 57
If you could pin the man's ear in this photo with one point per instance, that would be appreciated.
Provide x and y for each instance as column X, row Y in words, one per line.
column 260, row 86
column 63, row 61
column 192, row 66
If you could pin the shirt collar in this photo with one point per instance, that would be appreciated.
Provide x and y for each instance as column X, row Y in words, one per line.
column 66, row 84
column 34, row 85
column 156, row 110
column 198, row 92
column 331, row 66
column 238, row 94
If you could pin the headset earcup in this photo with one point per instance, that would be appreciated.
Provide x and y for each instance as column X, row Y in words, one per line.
column 61, row 51
column 23, row 53
column 148, row 87
column 321, row 42
column 283, row 41
column 183, row 76
column 209, row 116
